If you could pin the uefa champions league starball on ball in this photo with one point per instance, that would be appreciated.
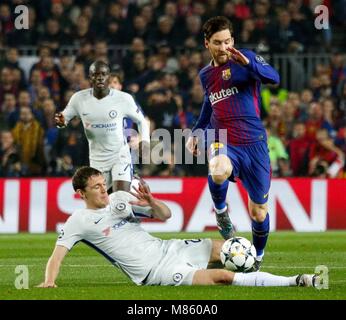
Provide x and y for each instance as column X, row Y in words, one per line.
column 238, row 254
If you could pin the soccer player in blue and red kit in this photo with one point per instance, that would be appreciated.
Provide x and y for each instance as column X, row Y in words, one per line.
column 231, row 84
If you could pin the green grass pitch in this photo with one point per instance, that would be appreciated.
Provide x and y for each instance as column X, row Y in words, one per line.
column 87, row 275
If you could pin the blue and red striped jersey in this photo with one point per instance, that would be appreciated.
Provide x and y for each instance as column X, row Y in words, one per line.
column 232, row 98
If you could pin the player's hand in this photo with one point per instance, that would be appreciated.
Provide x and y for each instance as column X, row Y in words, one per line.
column 47, row 285
column 59, row 120
column 191, row 146
column 143, row 194
column 237, row 57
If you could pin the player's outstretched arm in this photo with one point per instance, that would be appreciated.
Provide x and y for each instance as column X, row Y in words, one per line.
column 259, row 67
column 158, row 209
column 53, row 267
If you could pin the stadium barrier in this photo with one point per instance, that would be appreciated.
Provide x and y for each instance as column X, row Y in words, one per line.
column 296, row 70
column 43, row 204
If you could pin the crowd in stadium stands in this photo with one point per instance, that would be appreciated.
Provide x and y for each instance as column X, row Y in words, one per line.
column 306, row 130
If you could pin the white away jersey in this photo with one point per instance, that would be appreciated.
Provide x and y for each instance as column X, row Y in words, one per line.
column 103, row 125
column 117, row 235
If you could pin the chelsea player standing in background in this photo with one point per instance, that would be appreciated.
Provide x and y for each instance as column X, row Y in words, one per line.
column 231, row 84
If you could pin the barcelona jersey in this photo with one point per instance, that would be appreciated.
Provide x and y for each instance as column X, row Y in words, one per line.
column 232, row 98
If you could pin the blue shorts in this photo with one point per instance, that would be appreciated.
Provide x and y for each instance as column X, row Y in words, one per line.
column 251, row 164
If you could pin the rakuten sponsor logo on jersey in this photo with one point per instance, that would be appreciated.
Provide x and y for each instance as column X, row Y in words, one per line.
column 223, row 94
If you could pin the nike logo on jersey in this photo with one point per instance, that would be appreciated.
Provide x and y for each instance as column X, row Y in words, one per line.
column 85, row 114
column 223, row 94
column 96, row 222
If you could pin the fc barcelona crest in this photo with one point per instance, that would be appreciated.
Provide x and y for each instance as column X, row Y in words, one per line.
column 226, row 74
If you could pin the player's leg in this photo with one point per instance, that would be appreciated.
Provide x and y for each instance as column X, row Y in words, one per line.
column 222, row 276
column 220, row 169
column 253, row 279
column 256, row 176
column 260, row 228
column 121, row 176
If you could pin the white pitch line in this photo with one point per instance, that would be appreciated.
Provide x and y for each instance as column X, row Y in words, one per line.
column 111, row 266
column 303, row 267
column 65, row 265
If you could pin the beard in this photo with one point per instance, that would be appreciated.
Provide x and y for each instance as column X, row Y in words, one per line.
column 221, row 59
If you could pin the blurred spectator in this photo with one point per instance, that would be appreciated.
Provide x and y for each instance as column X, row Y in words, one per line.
column 242, row 10
column 271, row 91
column 315, row 120
column 28, row 135
column 63, row 167
column 325, row 159
column 138, row 67
column 329, row 114
column 71, row 141
column 137, row 46
column 54, row 37
column 7, row 84
column 289, row 117
column 277, row 154
column 341, row 105
column 161, row 107
column 51, row 131
column 59, row 12
column 8, row 108
column 85, row 54
column 305, row 100
column 248, row 34
column 6, row 21
column 192, row 32
column 338, row 72
column 9, row 156
column 275, row 120
column 35, row 84
column 81, row 32
column 299, row 150
column 12, row 61
column 228, row 11
column 286, row 35
column 165, row 32
column 140, row 29
column 101, row 51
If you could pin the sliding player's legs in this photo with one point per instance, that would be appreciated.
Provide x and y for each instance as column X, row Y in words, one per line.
column 252, row 279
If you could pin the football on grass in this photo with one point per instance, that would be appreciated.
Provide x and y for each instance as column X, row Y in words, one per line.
column 238, row 254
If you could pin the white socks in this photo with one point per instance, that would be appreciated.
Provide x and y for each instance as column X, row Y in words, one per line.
column 259, row 258
column 219, row 211
column 262, row 279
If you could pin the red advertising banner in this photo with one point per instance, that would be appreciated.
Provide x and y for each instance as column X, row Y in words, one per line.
column 41, row 205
